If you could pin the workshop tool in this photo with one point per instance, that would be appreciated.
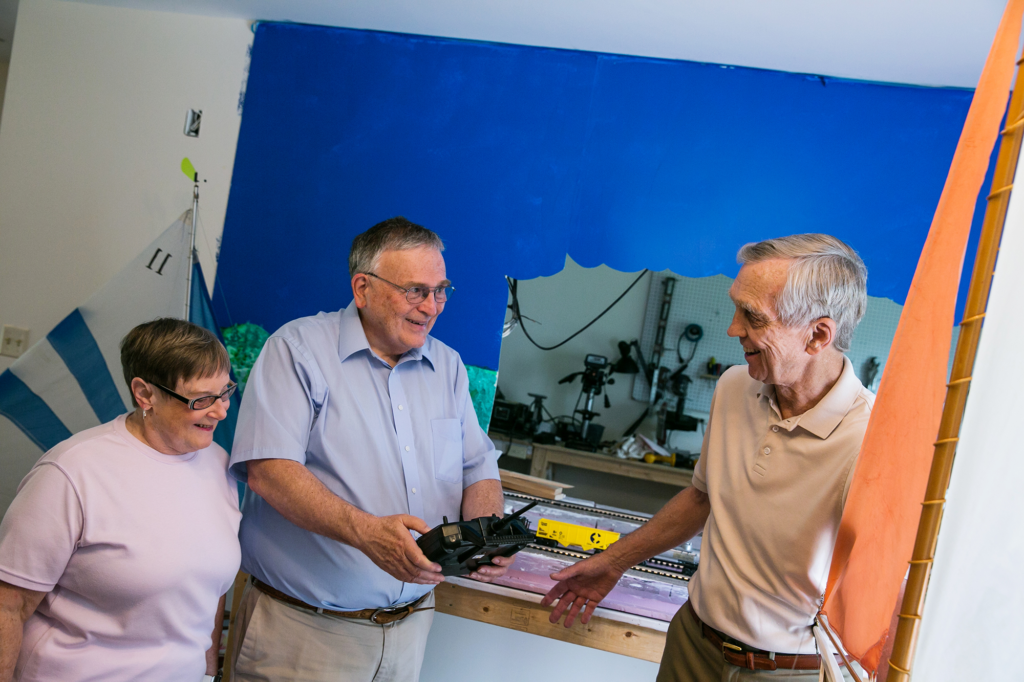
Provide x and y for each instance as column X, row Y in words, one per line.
column 655, row 458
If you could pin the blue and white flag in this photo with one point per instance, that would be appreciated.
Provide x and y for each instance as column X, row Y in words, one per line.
column 72, row 379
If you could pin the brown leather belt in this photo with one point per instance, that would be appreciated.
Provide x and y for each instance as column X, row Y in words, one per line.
column 742, row 656
column 383, row 616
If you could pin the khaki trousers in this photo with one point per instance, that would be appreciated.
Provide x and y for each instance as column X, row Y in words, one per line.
column 689, row 657
column 277, row 642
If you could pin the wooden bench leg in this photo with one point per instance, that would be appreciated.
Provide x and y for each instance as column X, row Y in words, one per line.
column 539, row 463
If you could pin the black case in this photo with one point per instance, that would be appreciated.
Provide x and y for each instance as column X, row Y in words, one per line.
column 461, row 547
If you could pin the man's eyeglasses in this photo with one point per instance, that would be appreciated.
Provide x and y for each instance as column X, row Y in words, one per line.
column 416, row 295
column 203, row 402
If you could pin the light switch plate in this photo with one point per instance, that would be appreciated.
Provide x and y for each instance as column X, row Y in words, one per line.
column 14, row 341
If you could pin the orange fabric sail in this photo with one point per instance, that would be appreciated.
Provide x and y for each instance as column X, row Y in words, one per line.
column 879, row 524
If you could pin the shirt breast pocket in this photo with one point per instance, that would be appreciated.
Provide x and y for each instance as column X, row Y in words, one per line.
column 447, row 449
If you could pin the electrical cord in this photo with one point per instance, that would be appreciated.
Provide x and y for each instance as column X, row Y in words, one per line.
column 513, row 286
column 686, row 363
column 693, row 333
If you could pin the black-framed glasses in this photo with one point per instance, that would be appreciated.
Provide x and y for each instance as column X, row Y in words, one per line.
column 416, row 295
column 203, row 402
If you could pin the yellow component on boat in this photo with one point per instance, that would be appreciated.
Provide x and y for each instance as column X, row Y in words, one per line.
column 571, row 535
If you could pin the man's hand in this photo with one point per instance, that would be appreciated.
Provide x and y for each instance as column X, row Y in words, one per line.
column 484, row 498
column 582, row 586
column 387, row 542
column 486, row 574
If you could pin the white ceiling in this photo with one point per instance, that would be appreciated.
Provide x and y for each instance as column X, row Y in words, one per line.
column 924, row 42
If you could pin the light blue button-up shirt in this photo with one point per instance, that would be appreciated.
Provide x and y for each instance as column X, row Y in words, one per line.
column 388, row 441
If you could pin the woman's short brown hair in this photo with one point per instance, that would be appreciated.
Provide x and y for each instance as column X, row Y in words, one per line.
column 167, row 351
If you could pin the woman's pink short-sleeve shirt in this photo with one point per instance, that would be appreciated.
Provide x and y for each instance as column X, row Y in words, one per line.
column 134, row 549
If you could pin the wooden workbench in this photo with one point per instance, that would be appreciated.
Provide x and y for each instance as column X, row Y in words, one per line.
column 618, row 633
column 543, row 456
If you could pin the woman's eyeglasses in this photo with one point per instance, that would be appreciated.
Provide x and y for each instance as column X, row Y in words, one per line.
column 203, row 402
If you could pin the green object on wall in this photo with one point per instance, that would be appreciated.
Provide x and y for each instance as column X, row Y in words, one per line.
column 482, row 383
column 244, row 343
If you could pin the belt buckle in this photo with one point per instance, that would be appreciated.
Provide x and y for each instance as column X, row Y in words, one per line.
column 401, row 611
column 731, row 646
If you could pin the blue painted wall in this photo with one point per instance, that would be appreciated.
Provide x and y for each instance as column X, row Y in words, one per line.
column 518, row 155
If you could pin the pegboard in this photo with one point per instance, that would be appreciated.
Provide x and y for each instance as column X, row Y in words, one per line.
column 705, row 301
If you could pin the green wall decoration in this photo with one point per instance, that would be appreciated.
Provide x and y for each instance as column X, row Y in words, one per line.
column 482, row 383
column 244, row 343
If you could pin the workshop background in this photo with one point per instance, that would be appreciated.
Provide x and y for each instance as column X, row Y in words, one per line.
column 94, row 93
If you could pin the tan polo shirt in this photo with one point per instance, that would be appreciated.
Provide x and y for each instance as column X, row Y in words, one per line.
column 777, row 489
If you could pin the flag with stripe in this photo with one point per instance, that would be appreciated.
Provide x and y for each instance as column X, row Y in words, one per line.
column 72, row 380
column 201, row 313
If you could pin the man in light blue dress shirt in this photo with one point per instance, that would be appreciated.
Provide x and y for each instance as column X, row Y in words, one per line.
column 356, row 428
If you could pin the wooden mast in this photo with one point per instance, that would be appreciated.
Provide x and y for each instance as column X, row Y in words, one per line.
column 909, row 625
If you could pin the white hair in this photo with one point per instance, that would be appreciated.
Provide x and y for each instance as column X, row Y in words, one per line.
column 394, row 234
column 826, row 279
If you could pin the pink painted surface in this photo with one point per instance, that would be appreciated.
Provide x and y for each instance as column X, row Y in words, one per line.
column 635, row 594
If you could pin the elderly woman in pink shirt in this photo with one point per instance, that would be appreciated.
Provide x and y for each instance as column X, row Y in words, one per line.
column 117, row 551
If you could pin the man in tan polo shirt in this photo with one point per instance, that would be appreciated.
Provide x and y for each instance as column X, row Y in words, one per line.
column 769, row 488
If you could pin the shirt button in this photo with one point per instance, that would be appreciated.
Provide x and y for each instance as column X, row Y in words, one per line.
column 767, row 451
column 407, row 448
column 400, row 407
column 414, row 491
column 775, row 428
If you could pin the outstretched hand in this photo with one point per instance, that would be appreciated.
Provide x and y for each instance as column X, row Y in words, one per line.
column 581, row 587
column 389, row 544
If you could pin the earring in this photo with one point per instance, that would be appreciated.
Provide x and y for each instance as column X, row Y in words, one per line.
column 143, row 414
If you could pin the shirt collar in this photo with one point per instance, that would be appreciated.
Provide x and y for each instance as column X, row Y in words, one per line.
column 823, row 418
column 352, row 339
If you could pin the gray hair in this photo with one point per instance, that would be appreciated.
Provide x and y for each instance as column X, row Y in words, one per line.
column 394, row 234
column 826, row 279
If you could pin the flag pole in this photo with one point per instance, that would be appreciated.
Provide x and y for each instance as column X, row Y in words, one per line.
column 908, row 627
column 192, row 247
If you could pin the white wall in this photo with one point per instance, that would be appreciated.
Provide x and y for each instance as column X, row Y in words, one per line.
column 562, row 304
column 460, row 649
column 91, row 142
